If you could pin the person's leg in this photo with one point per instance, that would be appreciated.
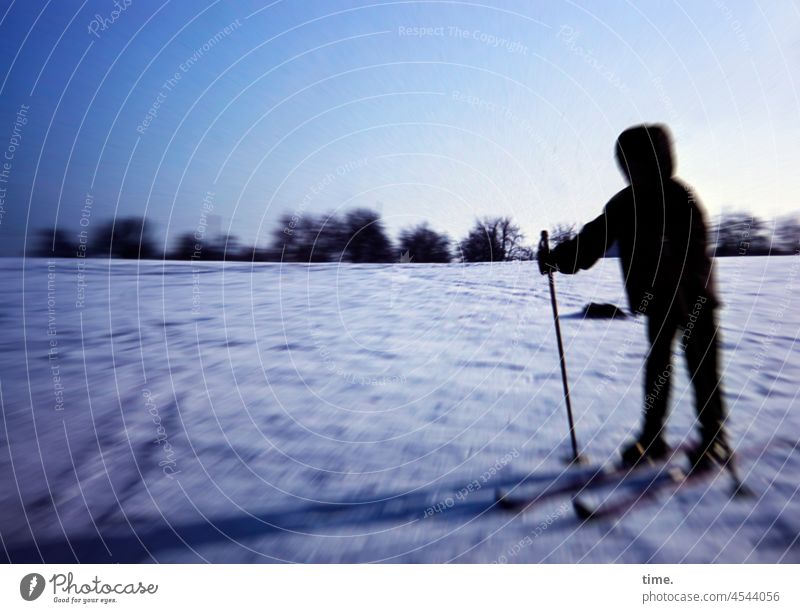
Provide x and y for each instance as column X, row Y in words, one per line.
column 657, row 380
column 658, row 375
column 700, row 339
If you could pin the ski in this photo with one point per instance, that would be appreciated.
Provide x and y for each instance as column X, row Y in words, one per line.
column 521, row 497
column 586, row 485
column 617, row 500
column 575, row 480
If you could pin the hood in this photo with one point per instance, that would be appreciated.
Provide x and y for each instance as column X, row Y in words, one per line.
column 644, row 154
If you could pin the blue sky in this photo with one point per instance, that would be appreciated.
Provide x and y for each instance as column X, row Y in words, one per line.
column 444, row 111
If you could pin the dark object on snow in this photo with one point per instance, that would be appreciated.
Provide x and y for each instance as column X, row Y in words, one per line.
column 597, row 310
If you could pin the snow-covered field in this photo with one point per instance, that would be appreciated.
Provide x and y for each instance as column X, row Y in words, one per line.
column 361, row 413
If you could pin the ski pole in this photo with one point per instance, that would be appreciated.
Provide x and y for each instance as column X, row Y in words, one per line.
column 544, row 249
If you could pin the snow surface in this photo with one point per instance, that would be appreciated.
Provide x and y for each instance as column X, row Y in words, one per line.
column 339, row 413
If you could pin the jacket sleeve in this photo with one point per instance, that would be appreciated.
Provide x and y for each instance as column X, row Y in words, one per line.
column 591, row 243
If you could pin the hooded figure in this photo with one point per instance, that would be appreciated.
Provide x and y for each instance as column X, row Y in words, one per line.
column 660, row 230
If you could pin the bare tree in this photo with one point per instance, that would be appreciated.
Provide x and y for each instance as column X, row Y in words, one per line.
column 54, row 243
column 786, row 235
column 561, row 233
column 358, row 237
column 309, row 238
column 740, row 234
column 367, row 241
column 496, row 239
column 423, row 245
column 125, row 237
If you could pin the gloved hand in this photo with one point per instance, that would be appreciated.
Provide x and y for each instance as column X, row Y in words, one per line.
column 544, row 257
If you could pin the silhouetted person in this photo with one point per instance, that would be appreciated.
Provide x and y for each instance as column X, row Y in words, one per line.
column 659, row 227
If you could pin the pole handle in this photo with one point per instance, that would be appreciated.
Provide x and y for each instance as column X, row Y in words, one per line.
column 543, row 254
column 544, row 243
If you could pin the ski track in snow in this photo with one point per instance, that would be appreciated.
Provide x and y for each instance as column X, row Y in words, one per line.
column 333, row 413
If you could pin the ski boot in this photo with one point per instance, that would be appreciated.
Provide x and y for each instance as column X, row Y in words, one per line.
column 712, row 453
column 647, row 450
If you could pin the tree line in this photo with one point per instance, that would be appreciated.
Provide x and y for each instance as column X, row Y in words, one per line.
column 360, row 236
column 357, row 236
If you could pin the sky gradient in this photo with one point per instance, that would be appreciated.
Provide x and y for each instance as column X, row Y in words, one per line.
column 444, row 111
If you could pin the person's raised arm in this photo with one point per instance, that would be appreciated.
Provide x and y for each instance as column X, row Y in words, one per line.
column 581, row 252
